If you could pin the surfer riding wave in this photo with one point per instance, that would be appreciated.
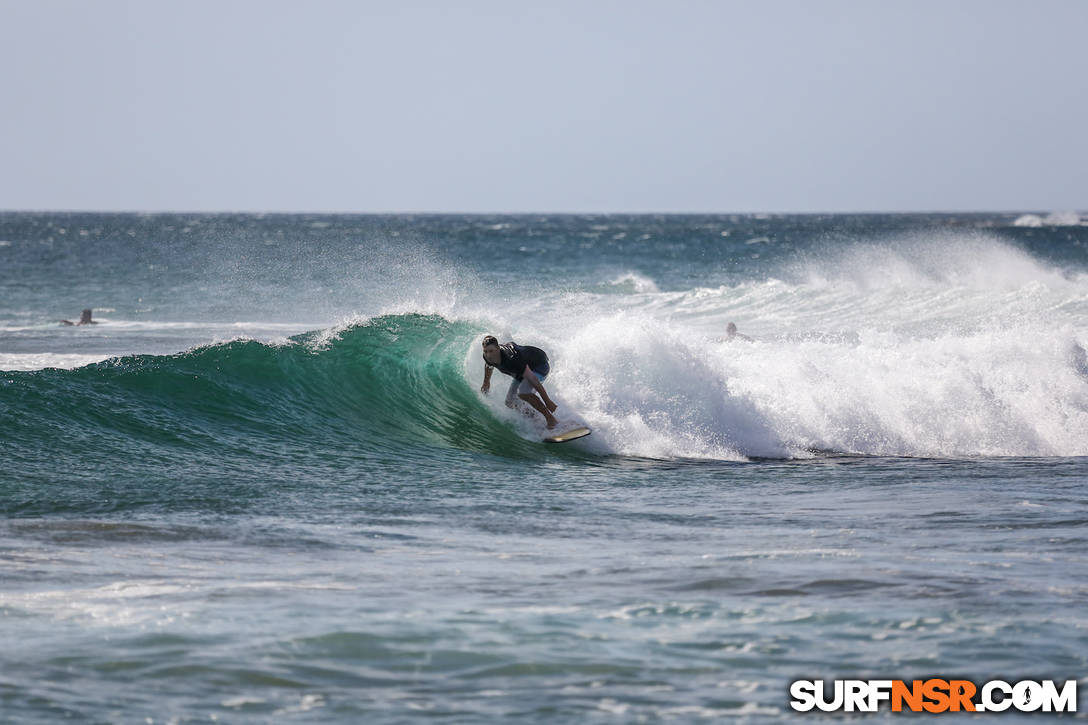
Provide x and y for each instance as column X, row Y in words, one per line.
column 528, row 366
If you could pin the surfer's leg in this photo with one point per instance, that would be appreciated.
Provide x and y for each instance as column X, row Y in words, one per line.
column 538, row 405
column 510, row 393
column 527, row 393
column 526, row 388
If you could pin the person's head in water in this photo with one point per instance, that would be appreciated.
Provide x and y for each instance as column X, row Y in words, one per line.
column 491, row 350
column 731, row 330
column 84, row 319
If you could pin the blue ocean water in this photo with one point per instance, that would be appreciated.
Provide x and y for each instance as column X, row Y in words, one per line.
column 265, row 486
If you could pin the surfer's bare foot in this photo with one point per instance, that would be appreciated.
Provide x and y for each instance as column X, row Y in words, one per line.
column 552, row 422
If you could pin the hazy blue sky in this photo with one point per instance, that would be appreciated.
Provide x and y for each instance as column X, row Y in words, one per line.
column 545, row 106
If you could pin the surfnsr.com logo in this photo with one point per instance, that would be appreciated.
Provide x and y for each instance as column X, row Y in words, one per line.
column 934, row 695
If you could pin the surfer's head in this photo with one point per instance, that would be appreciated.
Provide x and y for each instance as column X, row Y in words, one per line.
column 85, row 318
column 491, row 350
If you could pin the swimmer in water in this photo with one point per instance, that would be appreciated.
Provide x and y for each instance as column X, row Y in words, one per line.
column 84, row 319
column 732, row 334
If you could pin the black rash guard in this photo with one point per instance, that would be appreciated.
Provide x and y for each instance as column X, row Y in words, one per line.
column 515, row 357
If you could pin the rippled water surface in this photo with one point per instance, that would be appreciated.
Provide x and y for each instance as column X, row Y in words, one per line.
column 266, row 487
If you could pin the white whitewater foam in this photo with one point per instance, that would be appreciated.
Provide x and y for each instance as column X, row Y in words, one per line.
column 42, row 360
column 1053, row 219
column 1062, row 219
column 634, row 282
column 650, row 390
column 1028, row 220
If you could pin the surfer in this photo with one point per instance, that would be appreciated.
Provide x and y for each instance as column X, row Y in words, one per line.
column 732, row 334
column 528, row 366
column 84, row 319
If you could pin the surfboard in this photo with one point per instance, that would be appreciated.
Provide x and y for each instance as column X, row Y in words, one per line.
column 571, row 435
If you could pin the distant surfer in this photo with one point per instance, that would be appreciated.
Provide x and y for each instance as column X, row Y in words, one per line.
column 528, row 366
column 84, row 319
column 732, row 334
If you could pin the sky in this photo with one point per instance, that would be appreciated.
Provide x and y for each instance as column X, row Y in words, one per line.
column 590, row 106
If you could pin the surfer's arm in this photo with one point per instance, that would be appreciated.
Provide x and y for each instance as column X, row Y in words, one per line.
column 487, row 379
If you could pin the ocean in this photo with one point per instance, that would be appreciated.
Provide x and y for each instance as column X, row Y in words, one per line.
column 266, row 486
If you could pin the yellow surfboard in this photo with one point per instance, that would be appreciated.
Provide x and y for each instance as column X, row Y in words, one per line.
column 570, row 435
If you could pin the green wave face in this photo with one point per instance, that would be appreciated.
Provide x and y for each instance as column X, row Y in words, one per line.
column 391, row 388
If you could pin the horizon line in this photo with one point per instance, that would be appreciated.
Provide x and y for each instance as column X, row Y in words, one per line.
column 153, row 212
